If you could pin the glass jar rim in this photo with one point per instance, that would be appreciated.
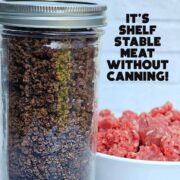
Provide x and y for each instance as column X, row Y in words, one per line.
column 52, row 14
column 50, row 33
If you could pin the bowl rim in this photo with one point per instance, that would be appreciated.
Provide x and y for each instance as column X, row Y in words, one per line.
column 137, row 161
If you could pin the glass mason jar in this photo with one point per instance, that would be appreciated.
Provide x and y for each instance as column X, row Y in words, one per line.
column 49, row 72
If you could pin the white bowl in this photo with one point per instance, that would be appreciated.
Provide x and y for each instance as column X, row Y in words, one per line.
column 115, row 168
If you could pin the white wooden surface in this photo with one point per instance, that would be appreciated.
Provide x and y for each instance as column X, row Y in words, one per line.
column 141, row 97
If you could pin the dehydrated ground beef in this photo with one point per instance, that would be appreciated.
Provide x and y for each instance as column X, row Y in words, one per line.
column 51, row 105
column 147, row 136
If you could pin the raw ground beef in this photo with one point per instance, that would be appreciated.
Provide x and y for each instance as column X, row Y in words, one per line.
column 147, row 136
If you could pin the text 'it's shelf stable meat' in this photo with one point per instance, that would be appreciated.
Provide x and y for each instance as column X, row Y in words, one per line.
column 148, row 136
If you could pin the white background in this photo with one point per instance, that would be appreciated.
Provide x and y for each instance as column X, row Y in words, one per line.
column 142, row 96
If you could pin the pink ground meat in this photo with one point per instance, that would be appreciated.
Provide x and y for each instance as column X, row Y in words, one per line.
column 148, row 136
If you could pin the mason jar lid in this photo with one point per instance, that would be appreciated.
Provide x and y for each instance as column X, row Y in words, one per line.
column 52, row 14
